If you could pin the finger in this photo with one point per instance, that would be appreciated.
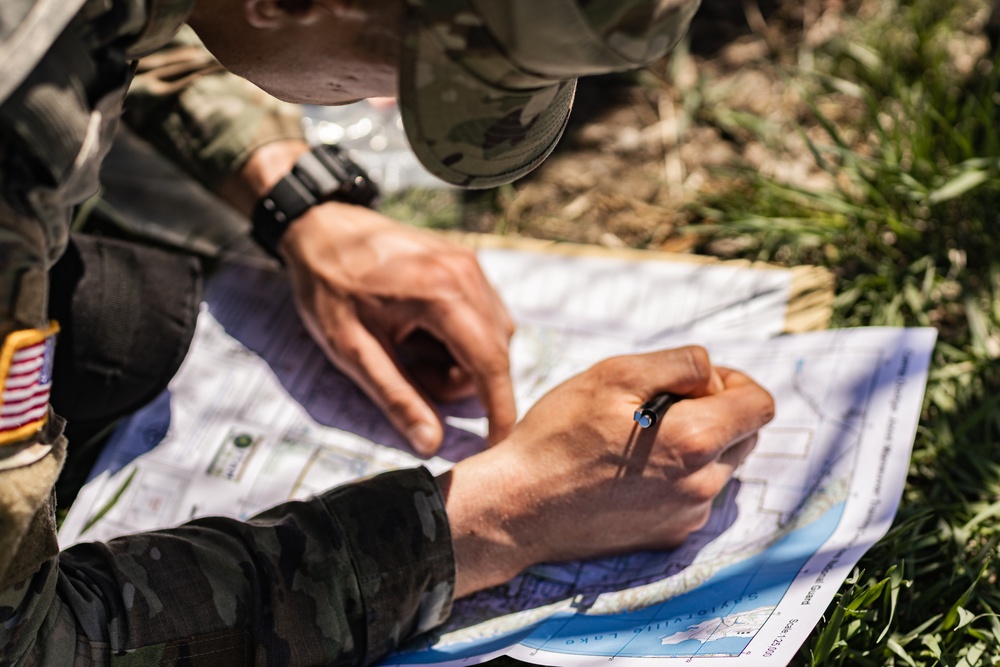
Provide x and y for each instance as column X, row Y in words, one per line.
column 481, row 348
column 491, row 374
column 715, row 383
column 701, row 429
column 419, row 347
column 443, row 384
column 428, row 362
column 708, row 482
column 479, row 290
column 363, row 358
column 500, row 311
column 686, row 371
column 732, row 457
column 731, row 376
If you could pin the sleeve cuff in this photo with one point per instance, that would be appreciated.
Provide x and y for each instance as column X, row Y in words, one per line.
column 400, row 543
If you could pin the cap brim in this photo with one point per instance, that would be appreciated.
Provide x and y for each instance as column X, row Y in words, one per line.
column 467, row 132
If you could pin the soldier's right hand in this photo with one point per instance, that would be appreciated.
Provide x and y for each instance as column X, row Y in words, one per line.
column 578, row 478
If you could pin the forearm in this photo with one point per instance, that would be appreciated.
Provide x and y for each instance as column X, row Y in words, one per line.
column 487, row 519
column 339, row 579
column 203, row 118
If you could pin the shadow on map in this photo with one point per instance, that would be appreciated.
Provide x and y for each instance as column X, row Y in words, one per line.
column 787, row 523
column 582, row 582
column 128, row 443
column 327, row 395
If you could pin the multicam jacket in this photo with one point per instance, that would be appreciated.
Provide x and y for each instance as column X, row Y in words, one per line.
column 340, row 578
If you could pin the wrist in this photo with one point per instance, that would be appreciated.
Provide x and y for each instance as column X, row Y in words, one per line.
column 331, row 235
column 261, row 172
column 490, row 528
column 323, row 174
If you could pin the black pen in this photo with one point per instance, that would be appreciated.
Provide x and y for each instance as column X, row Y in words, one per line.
column 653, row 410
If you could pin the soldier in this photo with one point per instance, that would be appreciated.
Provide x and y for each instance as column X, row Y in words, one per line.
column 486, row 89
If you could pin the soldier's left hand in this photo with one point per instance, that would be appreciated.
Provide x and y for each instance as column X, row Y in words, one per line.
column 371, row 290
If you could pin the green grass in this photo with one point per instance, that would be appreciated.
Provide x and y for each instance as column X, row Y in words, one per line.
column 911, row 232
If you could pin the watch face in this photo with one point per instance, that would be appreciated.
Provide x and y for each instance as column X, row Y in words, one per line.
column 354, row 184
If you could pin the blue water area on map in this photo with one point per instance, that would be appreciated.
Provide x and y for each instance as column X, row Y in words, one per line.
column 461, row 651
column 759, row 581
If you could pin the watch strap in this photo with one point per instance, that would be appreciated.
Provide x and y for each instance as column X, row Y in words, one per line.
column 323, row 174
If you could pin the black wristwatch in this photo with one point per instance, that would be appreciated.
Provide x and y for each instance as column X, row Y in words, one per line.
column 323, row 174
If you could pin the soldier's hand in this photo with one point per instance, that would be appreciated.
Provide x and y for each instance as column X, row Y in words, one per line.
column 405, row 314
column 578, row 478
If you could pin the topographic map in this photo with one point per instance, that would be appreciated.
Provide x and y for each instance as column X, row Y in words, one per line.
column 256, row 416
column 801, row 510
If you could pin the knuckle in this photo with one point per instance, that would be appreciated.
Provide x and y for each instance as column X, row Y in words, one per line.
column 698, row 361
column 509, row 327
column 348, row 350
column 603, row 368
column 767, row 409
column 439, row 274
column 704, row 492
column 395, row 398
column 494, row 364
column 454, row 279
column 501, row 360
column 702, row 442
column 614, row 369
column 461, row 251
column 462, row 265
column 699, row 518
column 693, row 440
column 466, row 260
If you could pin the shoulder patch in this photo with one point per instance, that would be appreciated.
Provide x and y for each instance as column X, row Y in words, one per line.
column 26, row 376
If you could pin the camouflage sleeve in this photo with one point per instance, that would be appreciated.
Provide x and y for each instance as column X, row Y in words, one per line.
column 51, row 135
column 340, row 579
column 205, row 119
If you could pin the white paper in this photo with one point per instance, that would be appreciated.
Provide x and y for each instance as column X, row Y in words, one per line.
column 820, row 488
column 256, row 416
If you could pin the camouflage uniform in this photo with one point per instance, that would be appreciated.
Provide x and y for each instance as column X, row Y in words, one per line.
column 339, row 578
column 486, row 87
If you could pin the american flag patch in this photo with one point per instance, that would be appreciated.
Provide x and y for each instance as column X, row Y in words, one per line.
column 26, row 370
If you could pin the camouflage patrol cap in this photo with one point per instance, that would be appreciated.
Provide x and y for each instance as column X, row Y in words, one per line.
column 486, row 86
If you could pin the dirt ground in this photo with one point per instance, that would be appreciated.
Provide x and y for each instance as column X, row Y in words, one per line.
column 636, row 157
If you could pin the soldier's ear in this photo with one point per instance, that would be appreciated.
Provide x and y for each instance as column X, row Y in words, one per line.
column 270, row 14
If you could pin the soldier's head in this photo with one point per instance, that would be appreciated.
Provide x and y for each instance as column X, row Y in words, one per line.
column 307, row 51
column 485, row 86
